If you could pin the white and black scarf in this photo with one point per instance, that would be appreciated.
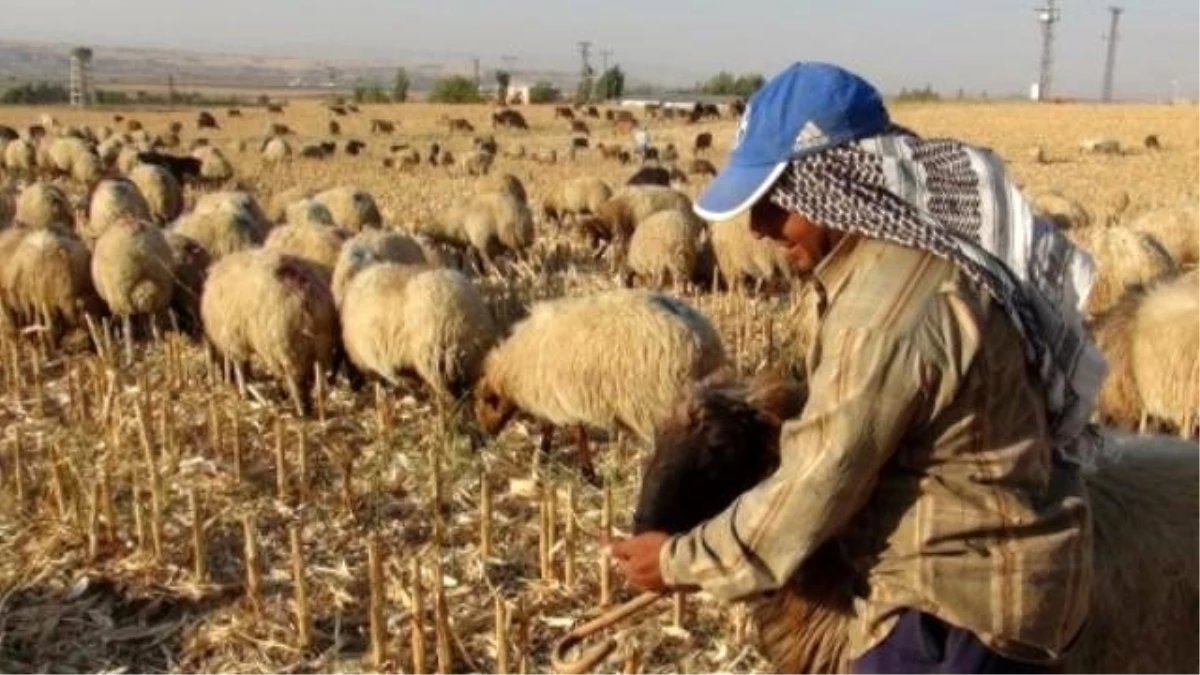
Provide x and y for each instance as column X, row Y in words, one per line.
column 958, row 202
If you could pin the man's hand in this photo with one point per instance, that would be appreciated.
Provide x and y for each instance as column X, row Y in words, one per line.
column 637, row 559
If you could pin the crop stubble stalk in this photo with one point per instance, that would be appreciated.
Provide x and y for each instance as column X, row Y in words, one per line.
column 441, row 615
column 250, row 552
column 156, row 496
column 378, row 627
column 281, row 481
column 199, row 554
column 605, row 564
column 500, row 611
column 418, row 616
column 303, row 617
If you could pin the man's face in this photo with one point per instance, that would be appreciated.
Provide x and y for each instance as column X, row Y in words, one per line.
column 805, row 242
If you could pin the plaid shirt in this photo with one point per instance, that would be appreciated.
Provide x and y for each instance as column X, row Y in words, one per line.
column 923, row 451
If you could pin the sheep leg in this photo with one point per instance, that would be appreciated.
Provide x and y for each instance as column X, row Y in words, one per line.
column 1144, row 423
column 583, row 455
column 547, row 438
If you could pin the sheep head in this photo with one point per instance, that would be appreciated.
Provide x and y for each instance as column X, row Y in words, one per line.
column 719, row 441
column 493, row 409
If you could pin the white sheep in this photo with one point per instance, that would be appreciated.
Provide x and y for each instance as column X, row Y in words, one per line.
column 665, row 249
column 741, row 256
column 371, row 247
column 578, row 196
column 132, row 269
column 113, row 200
column 163, row 194
column 44, row 205
column 314, row 242
column 351, row 207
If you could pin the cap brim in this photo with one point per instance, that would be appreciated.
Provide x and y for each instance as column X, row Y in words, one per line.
column 735, row 189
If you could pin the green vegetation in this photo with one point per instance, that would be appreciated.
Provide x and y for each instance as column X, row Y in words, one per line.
column 455, row 89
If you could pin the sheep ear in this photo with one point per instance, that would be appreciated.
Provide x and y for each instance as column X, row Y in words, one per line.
column 775, row 394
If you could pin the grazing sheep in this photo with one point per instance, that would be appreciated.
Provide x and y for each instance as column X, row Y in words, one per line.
column 20, row 158
column 8, row 133
column 46, row 280
column 613, row 359
column 352, row 208
column 702, row 144
column 616, row 218
column 276, row 150
column 665, row 249
column 204, row 120
column 1151, row 142
column 650, row 175
column 370, row 247
column 280, row 201
column 701, row 167
column 214, row 167
column 459, row 124
column 353, row 147
column 1114, row 331
column 382, row 127
column 486, row 225
column 579, row 127
column 335, row 129
column 308, row 211
column 741, row 257
column 223, row 223
column 276, row 308
column 132, row 269
column 233, row 112
column 720, row 441
column 314, row 151
column 477, row 162
column 109, row 151
column 509, row 118
column 275, row 108
column 112, row 201
column 45, row 206
column 1123, row 258
column 163, row 194
column 315, row 243
column 1103, row 146
column 399, row 319
column 510, row 184
column 564, row 112
column 1177, row 228
column 574, row 197
column 189, row 267
column 1164, row 353
column 73, row 157
column 1065, row 212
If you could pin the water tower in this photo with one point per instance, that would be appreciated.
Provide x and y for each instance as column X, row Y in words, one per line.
column 81, row 77
column 1048, row 15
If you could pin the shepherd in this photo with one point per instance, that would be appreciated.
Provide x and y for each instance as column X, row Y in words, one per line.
column 949, row 391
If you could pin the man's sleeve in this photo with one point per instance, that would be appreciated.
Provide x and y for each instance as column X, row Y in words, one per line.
column 865, row 392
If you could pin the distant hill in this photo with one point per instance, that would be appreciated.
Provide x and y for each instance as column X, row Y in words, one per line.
column 25, row 61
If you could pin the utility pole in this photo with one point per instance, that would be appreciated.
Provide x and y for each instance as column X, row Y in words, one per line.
column 1111, row 60
column 584, row 93
column 1047, row 16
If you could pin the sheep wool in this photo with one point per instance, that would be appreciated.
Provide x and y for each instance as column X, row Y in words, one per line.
column 577, row 196
column 1166, row 352
column 132, row 268
column 614, row 358
column 1177, row 228
column 163, row 194
column 214, row 166
column 1123, row 258
column 275, row 308
column 47, row 275
column 315, row 243
column 371, row 247
column 352, row 208
column 740, row 256
column 665, row 248
column 20, row 158
column 308, row 211
column 44, row 205
column 113, row 201
column 1065, row 212
column 276, row 150
column 489, row 224
column 280, row 201
column 400, row 319
column 189, row 267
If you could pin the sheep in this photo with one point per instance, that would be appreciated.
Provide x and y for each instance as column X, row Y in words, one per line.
column 459, row 124
column 1063, row 211
column 189, row 267
column 382, row 126
column 721, row 440
column 46, row 279
column 1177, row 228
column 1103, row 146
column 132, row 270
column 702, row 143
column 276, row 308
column 111, row 201
column 477, row 163
column 214, row 167
column 275, row 108
column 574, row 197
column 509, row 118
column 368, row 248
column 163, row 194
column 1151, row 142
column 487, row 225
column 511, row 185
column 616, row 358
column 73, row 157
column 1114, row 332
column 399, row 319
column 701, row 167
column 665, row 248
column 315, row 243
column 7, row 208
column 1123, row 258
column 233, row 200
column 1163, row 353
column 276, row 150
column 616, row 218
column 545, row 156
column 204, row 120
column 353, row 147
column 275, row 129
column 222, row 226
column 650, row 175
column 280, row 201
column 308, row 211
column 184, row 169
column 109, row 150
column 352, row 208
column 335, row 129
column 741, row 256
column 44, row 205
column 314, row 151
column 20, row 158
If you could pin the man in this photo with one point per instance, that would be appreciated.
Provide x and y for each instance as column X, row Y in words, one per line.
column 949, row 391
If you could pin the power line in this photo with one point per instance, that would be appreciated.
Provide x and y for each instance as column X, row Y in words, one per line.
column 1110, row 60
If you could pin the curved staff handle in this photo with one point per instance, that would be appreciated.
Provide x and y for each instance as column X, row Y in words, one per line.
column 591, row 657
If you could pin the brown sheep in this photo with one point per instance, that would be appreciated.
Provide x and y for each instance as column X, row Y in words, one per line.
column 702, row 144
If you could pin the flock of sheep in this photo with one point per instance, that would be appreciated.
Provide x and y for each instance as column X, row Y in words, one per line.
column 302, row 284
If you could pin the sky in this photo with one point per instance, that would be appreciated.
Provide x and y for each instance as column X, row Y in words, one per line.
column 976, row 45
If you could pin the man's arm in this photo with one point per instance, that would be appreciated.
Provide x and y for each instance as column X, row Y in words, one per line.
column 867, row 390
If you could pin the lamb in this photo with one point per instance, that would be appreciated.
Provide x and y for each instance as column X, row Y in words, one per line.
column 721, row 440
column 399, row 319
column 742, row 257
column 1177, row 228
column 276, row 150
column 20, row 158
column 132, row 269
column 224, row 222
column 487, row 225
column 575, row 197
column 665, row 248
column 45, row 279
column 368, row 248
column 617, row 358
column 275, row 308
column 315, row 243
column 1123, row 258
column 163, row 194
column 214, row 167
column 616, row 218
column 44, row 205
column 352, row 208
column 112, row 201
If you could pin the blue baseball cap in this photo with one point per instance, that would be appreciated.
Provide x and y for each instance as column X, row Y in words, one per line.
column 807, row 108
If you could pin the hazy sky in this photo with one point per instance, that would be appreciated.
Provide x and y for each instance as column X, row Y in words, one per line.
column 976, row 44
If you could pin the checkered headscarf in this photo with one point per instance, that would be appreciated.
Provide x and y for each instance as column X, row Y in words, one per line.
column 958, row 202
